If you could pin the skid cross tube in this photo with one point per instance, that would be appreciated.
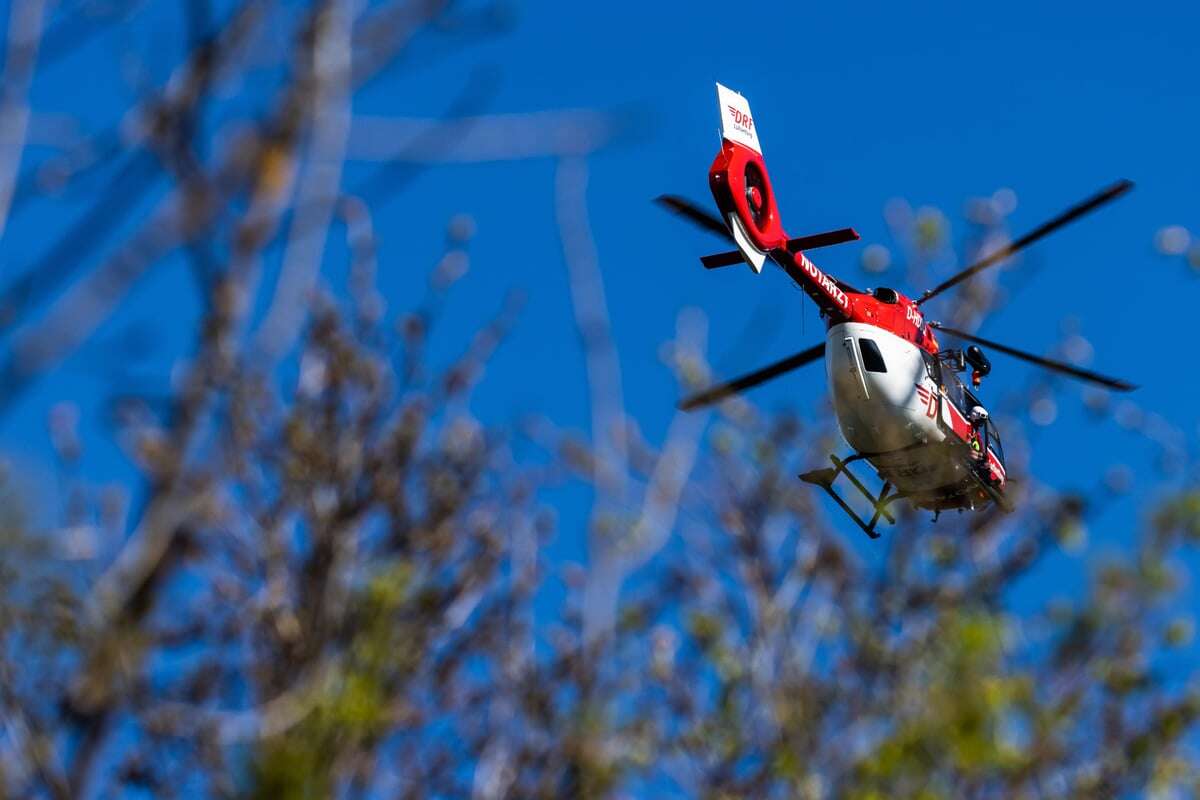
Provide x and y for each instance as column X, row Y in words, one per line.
column 825, row 478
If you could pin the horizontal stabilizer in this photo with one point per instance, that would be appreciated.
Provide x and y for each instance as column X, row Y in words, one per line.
column 825, row 239
column 721, row 259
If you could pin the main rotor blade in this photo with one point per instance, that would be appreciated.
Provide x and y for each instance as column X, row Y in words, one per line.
column 1070, row 215
column 723, row 390
column 1054, row 366
column 694, row 214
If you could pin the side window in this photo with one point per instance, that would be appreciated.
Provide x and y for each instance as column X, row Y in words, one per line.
column 872, row 358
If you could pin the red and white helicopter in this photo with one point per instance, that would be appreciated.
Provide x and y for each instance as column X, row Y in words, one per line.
column 898, row 398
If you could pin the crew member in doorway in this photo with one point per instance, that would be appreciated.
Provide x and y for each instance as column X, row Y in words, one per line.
column 979, row 417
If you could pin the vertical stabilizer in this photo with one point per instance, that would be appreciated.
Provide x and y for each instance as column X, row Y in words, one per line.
column 737, row 124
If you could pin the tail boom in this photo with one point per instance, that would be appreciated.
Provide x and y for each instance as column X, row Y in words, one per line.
column 823, row 289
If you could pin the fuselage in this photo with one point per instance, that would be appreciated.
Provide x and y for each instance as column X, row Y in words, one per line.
column 910, row 417
column 897, row 402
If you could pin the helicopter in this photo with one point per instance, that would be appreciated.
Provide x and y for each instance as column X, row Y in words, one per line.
column 896, row 392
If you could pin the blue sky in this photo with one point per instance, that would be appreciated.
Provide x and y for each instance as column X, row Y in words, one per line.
column 856, row 104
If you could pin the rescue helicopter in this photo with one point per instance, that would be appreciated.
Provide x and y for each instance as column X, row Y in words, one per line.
column 899, row 401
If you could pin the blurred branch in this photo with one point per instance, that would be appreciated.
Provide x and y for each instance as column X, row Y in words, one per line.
column 21, row 49
column 591, row 319
column 318, row 189
column 495, row 137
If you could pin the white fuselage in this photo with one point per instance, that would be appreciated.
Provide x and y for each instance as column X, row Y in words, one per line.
column 888, row 409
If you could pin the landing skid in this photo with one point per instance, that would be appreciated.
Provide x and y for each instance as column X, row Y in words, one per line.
column 825, row 478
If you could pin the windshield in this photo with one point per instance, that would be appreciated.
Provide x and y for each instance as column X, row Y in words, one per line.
column 957, row 393
column 993, row 441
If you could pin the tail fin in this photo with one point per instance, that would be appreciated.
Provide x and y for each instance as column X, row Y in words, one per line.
column 737, row 125
column 739, row 182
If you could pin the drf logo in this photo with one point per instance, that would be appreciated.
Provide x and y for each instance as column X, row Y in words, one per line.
column 928, row 400
column 741, row 119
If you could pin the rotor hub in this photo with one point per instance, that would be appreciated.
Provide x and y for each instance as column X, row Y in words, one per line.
column 757, row 199
column 754, row 196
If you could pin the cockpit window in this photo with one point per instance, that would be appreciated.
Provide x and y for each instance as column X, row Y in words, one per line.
column 932, row 367
column 872, row 358
column 994, row 441
column 956, row 393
